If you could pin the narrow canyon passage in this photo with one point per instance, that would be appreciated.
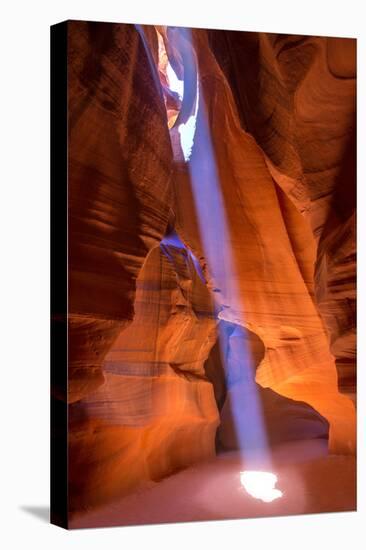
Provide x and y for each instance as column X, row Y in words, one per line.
column 212, row 273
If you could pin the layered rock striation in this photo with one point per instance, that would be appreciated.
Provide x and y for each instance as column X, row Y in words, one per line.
column 149, row 391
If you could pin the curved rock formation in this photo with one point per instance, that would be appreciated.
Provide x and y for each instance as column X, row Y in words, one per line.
column 119, row 200
column 304, row 121
column 119, row 193
column 155, row 412
column 145, row 300
column 284, row 419
column 272, row 259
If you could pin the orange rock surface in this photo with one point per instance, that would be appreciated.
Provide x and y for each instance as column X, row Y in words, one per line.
column 304, row 121
column 147, row 390
column 156, row 411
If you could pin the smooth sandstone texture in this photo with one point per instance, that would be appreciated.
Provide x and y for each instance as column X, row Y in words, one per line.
column 119, row 199
column 303, row 118
column 284, row 419
column 146, row 390
column 119, row 193
column 156, row 411
column 272, row 260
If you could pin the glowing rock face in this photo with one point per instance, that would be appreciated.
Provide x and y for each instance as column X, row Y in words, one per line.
column 175, row 84
column 186, row 132
column 186, row 129
column 260, row 485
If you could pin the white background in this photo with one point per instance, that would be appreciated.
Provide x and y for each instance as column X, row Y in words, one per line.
column 24, row 273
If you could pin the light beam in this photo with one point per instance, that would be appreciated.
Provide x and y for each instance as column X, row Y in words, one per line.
column 199, row 154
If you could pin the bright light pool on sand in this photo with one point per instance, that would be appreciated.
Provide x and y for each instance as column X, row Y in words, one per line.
column 260, row 485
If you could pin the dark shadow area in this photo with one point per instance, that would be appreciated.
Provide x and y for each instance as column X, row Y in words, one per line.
column 40, row 512
column 284, row 419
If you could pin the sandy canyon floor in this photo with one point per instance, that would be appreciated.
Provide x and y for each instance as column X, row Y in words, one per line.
column 312, row 481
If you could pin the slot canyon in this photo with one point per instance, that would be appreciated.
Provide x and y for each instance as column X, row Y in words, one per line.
column 211, row 272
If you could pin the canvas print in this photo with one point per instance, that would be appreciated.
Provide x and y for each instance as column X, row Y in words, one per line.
column 203, row 274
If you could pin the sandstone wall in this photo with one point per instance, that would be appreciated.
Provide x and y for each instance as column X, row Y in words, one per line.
column 144, row 298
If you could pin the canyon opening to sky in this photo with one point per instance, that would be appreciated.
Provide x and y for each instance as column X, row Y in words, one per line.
column 211, row 274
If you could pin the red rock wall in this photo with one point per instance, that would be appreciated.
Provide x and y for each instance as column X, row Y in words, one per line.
column 119, row 193
column 156, row 411
column 274, row 250
column 141, row 321
column 119, row 201
column 303, row 118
